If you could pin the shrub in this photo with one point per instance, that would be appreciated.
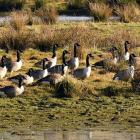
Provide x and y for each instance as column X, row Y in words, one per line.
column 48, row 15
column 100, row 11
column 14, row 40
column 7, row 5
column 129, row 13
column 44, row 39
column 71, row 87
column 19, row 19
column 74, row 4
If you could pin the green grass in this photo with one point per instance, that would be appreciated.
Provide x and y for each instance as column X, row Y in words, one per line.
column 104, row 104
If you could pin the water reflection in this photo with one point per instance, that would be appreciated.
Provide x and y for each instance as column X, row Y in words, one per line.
column 64, row 135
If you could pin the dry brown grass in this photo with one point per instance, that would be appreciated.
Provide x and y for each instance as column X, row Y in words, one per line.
column 19, row 19
column 100, row 11
column 47, row 15
column 129, row 13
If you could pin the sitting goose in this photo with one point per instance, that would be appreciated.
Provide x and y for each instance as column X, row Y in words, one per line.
column 103, row 63
column 27, row 79
column 39, row 74
column 12, row 91
column 73, row 63
column 50, row 62
column 3, row 69
column 127, row 54
column 135, row 61
column 125, row 75
column 52, row 79
column 58, row 68
column 18, row 64
column 84, row 72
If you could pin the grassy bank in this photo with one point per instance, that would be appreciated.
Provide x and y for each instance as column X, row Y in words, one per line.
column 103, row 104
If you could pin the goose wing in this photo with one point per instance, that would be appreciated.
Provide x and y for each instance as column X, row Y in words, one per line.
column 16, row 78
column 50, row 79
column 122, row 75
column 8, row 91
column 79, row 73
column 37, row 74
column 55, row 69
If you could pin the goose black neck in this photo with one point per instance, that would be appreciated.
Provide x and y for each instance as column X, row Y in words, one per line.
column 20, row 83
column 126, row 48
column 64, row 59
column 44, row 67
column 2, row 63
column 18, row 56
column 87, row 61
column 54, row 51
column 75, row 51
column 131, row 60
column 63, row 70
column 29, row 73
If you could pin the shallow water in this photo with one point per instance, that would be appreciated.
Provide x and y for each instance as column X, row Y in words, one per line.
column 75, row 18
column 69, row 135
column 64, row 18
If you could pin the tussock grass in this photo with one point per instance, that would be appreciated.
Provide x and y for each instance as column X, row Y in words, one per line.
column 19, row 19
column 100, row 11
column 71, row 87
column 47, row 14
column 129, row 13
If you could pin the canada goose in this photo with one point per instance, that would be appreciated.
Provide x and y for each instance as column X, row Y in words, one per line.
column 58, row 68
column 73, row 63
column 50, row 62
column 127, row 54
column 27, row 79
column 3, row 69
column 12, row 91
column 103, row 63
column 18, row 64
column 126, row 74
column 52, row 78
column 39, row 74
column 134, row 60
column 84, row 72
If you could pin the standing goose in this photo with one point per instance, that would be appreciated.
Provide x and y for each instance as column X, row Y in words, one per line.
column 84, row 72
column 3, row 69
column 73, row 63
column 27, row 79
column 135, row 61
column 50, row 62
column 58, row 68
column 125, row 75
column 39, row 74
column 52, row 79
column 18, row 64
column 127, row 54
column 12, row 91
column 105, row 62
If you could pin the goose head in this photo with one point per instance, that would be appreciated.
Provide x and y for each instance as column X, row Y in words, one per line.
column 18, row 56
column 54, row 50
column 87, row 59
column 75, row 49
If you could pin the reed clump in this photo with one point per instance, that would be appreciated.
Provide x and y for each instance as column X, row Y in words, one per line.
column 100, row 11
column 129, row 13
